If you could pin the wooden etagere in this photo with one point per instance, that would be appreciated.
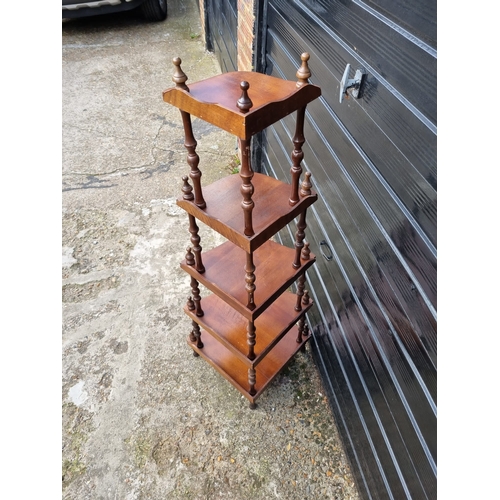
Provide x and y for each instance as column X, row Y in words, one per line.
column 251, row 326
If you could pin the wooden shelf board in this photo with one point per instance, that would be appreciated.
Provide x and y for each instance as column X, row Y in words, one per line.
column 224, row 213
column 225, row 274
column 236, row 372
column 230, row 327
column 214, row 100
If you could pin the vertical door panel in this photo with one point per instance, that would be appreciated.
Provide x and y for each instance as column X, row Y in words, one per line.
column 373, row 164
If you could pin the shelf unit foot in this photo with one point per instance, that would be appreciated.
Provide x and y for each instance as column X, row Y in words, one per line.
column 252, row 406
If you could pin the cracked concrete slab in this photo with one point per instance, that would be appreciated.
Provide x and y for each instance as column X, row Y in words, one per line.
column 142, row 418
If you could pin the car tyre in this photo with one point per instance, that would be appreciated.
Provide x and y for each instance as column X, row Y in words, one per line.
column 154, row 10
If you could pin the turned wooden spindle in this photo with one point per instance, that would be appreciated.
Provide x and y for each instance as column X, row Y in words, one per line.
column 192, row 159
column 303, row 327
column 297, row 156
column 300, row 291
column 179, row 77
column 251, row 340
column 187, row 190
column 244, row 103
column 303, row 73
column 302, row 296
column 299, row 238
column 196, row 334
column 190, row 257
column 196, row 297
column 195, row 240
column 250, row 281
column 300, row 329
column 191, row 307
column 246, row 189
column 251, row 381
column 305, row 190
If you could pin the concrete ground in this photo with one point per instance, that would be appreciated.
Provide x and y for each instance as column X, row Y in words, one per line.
column 142, row 418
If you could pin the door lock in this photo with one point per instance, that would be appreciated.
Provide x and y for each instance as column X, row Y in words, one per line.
column 355, row 83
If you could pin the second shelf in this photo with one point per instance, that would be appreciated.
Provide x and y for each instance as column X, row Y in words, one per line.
column 272, row 210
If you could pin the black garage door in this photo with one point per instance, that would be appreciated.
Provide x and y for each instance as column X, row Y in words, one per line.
column 373, row 164
column 221, row 25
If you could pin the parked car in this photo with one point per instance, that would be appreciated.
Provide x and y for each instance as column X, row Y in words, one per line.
column 152, row 10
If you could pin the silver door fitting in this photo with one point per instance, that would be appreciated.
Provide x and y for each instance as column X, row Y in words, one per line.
column 354, row 83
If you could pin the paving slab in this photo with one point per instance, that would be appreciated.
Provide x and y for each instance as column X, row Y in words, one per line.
column 141, row 417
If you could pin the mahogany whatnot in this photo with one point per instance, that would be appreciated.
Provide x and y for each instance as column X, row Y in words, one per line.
column 251, row 325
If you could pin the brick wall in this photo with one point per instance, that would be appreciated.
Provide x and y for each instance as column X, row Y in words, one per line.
column 201, row 3
column 246, row 30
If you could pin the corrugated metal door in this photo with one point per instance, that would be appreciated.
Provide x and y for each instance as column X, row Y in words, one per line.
column 221, row 24
column 373, row 164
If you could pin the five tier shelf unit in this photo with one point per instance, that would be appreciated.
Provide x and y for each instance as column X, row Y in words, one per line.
column 251, row 325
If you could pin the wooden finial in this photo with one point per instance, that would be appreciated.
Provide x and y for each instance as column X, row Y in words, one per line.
column 305, row 188
column 189, row 257
column 179, row 77
column 306, row 252
column 303, row 74
column 244, row 103
column 187, row 190
column 305, row 298
column 190, row 304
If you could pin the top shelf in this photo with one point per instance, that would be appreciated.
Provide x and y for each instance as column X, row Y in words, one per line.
column 240, row 109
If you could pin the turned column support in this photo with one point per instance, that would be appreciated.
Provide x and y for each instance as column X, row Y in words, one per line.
column 193, row 257
column 300, row 291
column 300, row 329
column 297, row 156
column 303, row 328
column 251, row 381
column 196, row 297
column 305, row 255
column 196, row 335
column 305, row 333
column 195, row 240
column 190, row 143
column 251, row 340
column 250, row 281
column 247, row 189
column 192, row 159
column 303, row 74
column 299, row 239
column 305, row 190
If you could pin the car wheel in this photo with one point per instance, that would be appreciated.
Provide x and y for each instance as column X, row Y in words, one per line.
column 154, row 10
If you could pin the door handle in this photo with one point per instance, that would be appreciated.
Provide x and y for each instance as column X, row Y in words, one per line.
column 324, row 246
column 354, row 83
